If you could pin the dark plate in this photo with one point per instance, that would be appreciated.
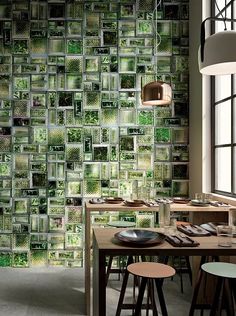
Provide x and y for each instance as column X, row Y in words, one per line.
column 180, row 200
column 211, row 226
column 134, row 203
column 114, row 200
column 140, row 236
column 198, row 203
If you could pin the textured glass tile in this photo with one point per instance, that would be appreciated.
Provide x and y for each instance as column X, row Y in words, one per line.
column 109, row 117
column 57, row 46
column 92, row 171
column 74, row 215
column 5, row 242
column 74, row 10
column 74, row 28
column 144, row 220
column 73, row 241
column 74, row 188
column 20, row 259
column 74, row 153
column 127, row 117
column 21, row 83
column 74, row 64
column 92, row 188
column 5, row 259
column 56, row 136
column 20, row 47
column 20, row 241
column 162, row 153
column 5, row 146
column 92, row 100
column 144, row 161
column 91, row 117
column 38, row 258
column 38, row 45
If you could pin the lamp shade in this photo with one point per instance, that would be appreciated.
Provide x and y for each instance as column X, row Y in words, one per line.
column 219, row 54
column 156, row 93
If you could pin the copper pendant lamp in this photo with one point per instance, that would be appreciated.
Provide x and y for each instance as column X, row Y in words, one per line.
column 156, row 93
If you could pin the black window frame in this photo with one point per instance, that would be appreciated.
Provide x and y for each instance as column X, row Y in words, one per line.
column 232, row 97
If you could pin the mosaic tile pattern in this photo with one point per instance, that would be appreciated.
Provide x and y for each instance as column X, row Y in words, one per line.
column 72, row 125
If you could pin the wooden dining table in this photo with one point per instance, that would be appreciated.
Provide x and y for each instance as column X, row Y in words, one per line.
column 105, row 244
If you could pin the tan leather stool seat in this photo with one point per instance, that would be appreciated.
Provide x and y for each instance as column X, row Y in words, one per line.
column 151, row 274
column 151, row 270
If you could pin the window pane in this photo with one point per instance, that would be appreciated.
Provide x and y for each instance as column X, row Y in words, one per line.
column 234, row 125
column 223, row 169
column 234, row 163
column 222, row 87
column 223, row 123
column 219, row 26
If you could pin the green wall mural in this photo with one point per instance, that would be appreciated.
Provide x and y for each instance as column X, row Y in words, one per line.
column 72, row 126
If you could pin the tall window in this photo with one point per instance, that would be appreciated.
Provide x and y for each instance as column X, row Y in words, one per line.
column 224, row 114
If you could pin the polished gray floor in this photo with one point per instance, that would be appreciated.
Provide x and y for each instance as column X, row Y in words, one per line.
column 58, row 291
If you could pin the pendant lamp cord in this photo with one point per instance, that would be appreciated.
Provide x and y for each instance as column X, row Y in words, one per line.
column 154, row 24
column 224, row 17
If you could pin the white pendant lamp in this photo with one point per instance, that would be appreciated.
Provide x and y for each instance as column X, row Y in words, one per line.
column 219, row 54
column 156, row 93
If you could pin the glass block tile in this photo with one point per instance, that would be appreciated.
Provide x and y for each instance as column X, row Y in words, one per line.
column 20, row 259
column 92, row 188
column 74, row 64
column 74, row 153
column 38, row 258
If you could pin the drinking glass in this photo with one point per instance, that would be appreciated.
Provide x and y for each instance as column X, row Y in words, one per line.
column 224, row 234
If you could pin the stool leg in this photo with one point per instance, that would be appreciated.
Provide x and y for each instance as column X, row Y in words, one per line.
column 161, row 297
column 217, row 301
column 229, row 298
column 196, row 288
column 154, row 307
column 189, row 269
column 180, row 275
column 109, row 268
column 123, row 287
column 138, row 306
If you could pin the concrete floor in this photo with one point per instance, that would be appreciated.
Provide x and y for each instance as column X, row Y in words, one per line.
column 59, row 291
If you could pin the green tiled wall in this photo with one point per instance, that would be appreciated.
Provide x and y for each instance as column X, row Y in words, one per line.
column 72, row 126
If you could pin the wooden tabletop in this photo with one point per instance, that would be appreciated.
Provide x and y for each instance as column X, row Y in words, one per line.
column 106, row 243
column 174, row 207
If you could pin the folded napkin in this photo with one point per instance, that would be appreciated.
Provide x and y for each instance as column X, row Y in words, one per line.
column 181, row 241
column 193, row 230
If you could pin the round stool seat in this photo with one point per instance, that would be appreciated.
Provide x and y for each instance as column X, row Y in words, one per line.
column 121, row 224
column 220, row 269
column 151, row 270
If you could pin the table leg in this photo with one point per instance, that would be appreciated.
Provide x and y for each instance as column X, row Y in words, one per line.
column 99, row 282
column 87, row 263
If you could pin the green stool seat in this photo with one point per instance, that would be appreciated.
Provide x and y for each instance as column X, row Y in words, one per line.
column 225, row 288
column 220, row 269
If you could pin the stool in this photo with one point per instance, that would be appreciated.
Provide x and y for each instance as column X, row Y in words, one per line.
column 199, row 280
column 148, row 272
column 226, row 276
column 116, row 224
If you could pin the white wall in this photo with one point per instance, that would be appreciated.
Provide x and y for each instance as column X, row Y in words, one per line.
column 195, row 102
